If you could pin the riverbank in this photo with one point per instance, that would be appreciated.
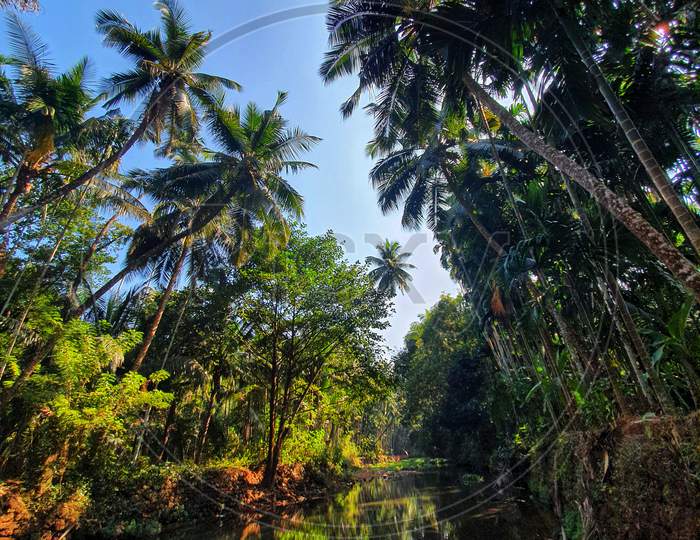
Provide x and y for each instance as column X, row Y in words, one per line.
column 150, row 502
column 638, row 479
column 393, row 465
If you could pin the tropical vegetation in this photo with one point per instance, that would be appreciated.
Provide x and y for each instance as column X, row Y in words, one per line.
column 164, row 328
column 552, row 148
column 152, row 317
column 390, row 271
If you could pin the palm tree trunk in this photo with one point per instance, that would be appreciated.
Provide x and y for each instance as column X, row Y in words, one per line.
column 270, row 466
column 208, row 414
column 167, row 429
column 9, row 216
column 639, row 145
column 6, row 201
column 679, row 266
column 22, row 187
column 73, row 287
column 153, row 327
column 247, row 424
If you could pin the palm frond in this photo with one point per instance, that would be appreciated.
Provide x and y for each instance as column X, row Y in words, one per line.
column 26, row 45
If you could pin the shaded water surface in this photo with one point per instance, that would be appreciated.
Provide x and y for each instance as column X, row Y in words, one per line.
column 413, row 505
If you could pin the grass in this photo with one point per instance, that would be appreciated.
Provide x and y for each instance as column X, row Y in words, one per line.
column 410, row 464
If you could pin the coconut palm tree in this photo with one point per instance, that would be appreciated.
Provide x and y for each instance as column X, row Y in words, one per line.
column 390, row 269
column 38, row 107
column 242, row 182
column 386, row 42
column 164, row 77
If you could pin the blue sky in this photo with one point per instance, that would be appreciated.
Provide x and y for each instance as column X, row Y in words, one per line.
column 283, row 56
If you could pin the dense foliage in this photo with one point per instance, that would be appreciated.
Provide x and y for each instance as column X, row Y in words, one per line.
column 552, row 147
column 172, row 315
column 184, row 314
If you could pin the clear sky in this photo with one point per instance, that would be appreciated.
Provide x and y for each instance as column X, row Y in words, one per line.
column 283, row 56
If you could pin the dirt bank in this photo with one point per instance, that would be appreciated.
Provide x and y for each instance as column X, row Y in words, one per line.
column 150, row 502
column 638, row 479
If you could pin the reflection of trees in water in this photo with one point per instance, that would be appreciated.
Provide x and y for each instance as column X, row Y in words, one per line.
column 399, row 505
column 413, row 506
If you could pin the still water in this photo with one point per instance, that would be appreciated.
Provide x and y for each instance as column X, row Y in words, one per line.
column 429, row 505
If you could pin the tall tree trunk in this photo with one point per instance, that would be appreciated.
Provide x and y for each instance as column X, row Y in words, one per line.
column 153, row 327
column 693, row 380
column 8, row 215
column 167, row 429
column 208, row 414
column 247, row 425
column 639, row 145
column 270, row 465
column 73, row 287
column 22, row 187
column 679, row 266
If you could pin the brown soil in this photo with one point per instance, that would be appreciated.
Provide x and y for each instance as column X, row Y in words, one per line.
column 14, row 516
column 147, row 507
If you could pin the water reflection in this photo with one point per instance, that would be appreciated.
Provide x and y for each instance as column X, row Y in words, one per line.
column 410, row 506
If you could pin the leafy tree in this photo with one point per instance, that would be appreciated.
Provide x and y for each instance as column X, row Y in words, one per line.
column 447, row 386
column 303, row 310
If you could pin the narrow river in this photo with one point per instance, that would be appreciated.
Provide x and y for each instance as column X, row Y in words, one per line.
column 426, row 505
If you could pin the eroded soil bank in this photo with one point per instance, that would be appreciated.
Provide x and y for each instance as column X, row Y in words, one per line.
column 156, row 501
column 640, row 479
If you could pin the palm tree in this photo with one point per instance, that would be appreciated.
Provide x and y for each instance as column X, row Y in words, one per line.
column 423, row 169
column 386, row 42
column 38, row 107
column 165, row 76
column 241, row 183
column 390, row 268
